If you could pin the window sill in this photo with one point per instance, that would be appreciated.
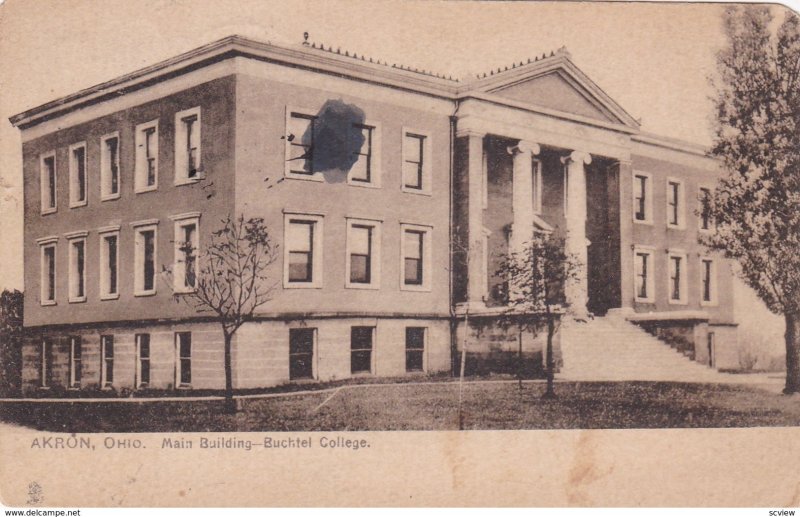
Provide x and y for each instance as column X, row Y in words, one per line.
column 317, row 176
column 645, row 300
column 187, row 181
column 82, row 299
column 362, row 374
column 109, row 197
column 145, row 293
column 363, row 184
column 44, row 388
column 184, row 387
column 105, row 297
column 48, row 303
column 713, row 303
column 184, row 291
column 145, row 189
column 678, row 302
column 648, row 222
column 108, row 387
column 47, row 211
column 415, row 288
column 78, row 204
column 373, row 287
column 675, row 227
column 143, row 386
column 298, row 285
column 418, row 192
column 74, row 388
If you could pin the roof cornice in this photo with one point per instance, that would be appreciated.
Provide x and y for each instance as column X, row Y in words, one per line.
column 674, row 144
column 235, row 46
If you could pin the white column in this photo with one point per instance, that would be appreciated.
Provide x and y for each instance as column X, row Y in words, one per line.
column 522, row 198
column 476, row 280
column 577, row 289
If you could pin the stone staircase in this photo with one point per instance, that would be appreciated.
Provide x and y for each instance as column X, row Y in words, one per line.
column 613, row 349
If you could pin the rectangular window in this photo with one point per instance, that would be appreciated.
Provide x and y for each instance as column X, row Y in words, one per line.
column 109, row 264
column 642, row 190
column 644, row 284
column 187, row 146
column 142, row 360
column 106, row 361
column 46, row 363
column 302, row 251
column 415, row 349
column 709, row 272
column 415, row 256
column 300, row 240
column 183, row 373
column 48, row 183
column 75, row 357
column 145, row 260
column 413, row 160
column 186, row 250
column 77, row 175
column 677, row 278
column 640, row 187
column 301, row 353
column 77, row 270
column 705, row 208
column 674, row 203
column 48, row 274
column 146, row 168
column 413, row 259
column 360, row 254
column 361, row 171
column 300, row 137
column 361, row 349
column 363, row 253
column 109, row 167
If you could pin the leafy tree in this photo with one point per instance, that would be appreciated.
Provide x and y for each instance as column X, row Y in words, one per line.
column 230, row 280
column 10, row 340
column 756, row 205
column 534, row 290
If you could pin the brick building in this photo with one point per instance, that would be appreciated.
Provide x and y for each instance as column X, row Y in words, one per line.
column 365, row 213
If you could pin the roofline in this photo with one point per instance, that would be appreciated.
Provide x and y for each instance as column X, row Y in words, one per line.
column 235, row 46
column 674, row 144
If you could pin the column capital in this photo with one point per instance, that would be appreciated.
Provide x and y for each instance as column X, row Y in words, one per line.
column 460, row 133
column 524, row 147
column 577, row 157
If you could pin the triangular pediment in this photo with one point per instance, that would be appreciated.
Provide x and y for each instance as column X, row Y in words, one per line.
column 555, row 91
column 556, row 84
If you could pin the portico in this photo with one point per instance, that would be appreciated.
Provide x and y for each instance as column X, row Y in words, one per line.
column 547, row 166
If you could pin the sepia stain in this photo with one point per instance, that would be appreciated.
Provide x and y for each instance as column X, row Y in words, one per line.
column 585, row 470
column 454, row 458
column 795, row 502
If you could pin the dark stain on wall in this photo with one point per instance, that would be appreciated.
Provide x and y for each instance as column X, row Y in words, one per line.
column 334, row 140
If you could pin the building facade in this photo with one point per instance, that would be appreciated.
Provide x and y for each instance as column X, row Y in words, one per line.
column 370, row 177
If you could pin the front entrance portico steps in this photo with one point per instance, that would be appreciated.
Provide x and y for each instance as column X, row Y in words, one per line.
column 613, row 349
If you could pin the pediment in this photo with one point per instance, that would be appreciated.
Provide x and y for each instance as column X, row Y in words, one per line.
column 555, row 83
column 555, row 91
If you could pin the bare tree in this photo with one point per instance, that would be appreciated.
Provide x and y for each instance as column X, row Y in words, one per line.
column 228, row 278
column 535, row 279
column 756, row 206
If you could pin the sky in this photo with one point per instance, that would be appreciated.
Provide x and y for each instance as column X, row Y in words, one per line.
column 653, row 59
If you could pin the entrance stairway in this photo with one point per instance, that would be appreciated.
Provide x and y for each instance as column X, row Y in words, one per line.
column 613, row 349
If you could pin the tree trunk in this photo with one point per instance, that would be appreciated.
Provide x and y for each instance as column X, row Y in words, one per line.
column 792, row 353
column 230, row 404
column 550, row 361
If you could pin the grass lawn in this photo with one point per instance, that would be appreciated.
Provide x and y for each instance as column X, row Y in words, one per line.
column 433, row 407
